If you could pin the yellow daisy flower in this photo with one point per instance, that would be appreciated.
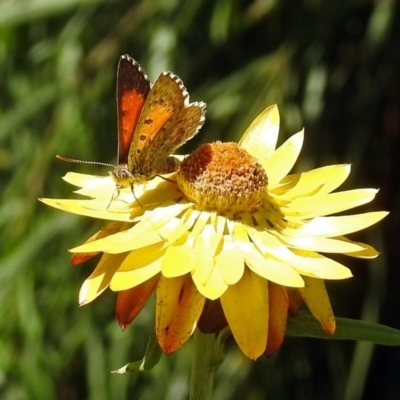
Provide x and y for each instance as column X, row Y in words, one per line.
column 230, row 239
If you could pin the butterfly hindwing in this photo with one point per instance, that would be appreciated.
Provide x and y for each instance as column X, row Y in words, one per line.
column 182, row 127
column 133, row 87
column 166, row 122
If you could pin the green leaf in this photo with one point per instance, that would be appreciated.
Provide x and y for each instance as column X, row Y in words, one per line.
column 153, row 353
column 130, row 367
column 306, row 325
column 150, row 359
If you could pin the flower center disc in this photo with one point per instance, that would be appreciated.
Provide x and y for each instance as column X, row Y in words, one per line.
column 222, row 177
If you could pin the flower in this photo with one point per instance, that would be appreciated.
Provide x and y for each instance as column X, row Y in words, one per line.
column 230, row 239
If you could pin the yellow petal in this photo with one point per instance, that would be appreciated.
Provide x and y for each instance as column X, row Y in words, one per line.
column 137, row 267
column 316, row 297
column 261, row 136
column 300, row 261
column 323, row 245
column 205, row 248
column 282, row 161
column 161, row 215
column 179, row 306
column 208, row 279
column 317, row 266
column 201, row 222
column 321, row 180
column 230, row 261
column 181, row 257
column 82, row 207
column 157, row 190
column 142, row 257
column 246, row 309
column 100, row 278
column 140, row 235
column 240, row 236
column 273, row 270
column 267, row 217
column 314, row 206
column 336, row 226
column 124, row 280
column 190, row 217
column 273, row 260
column 102, row 187
column 213, row 287
column 367, row 251
column 82, row 180
column 172, row 230
column 107, row 230
column 178, row 258
column 269, row 246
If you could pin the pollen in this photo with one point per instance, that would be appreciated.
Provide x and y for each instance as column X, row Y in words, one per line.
column 222, row 177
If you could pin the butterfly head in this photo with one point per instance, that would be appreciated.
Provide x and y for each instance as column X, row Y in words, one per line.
column 124, row 178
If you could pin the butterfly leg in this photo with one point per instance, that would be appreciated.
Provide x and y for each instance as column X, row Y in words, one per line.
column 113, row 196
column 136, row 199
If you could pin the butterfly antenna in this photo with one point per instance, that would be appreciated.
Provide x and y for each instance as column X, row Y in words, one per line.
column 72, row 160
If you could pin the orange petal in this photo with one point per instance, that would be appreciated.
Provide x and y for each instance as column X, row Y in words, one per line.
column 295, row 301
column 179, row 306
column 212, row 318
column 278, row 311
column 130, row 302
column 79, row 258
column 316, row 297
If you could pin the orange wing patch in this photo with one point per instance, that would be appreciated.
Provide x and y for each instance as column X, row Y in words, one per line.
column 131, row 104
column 133, row 87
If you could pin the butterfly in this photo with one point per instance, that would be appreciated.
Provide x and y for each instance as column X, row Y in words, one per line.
column 153, row 121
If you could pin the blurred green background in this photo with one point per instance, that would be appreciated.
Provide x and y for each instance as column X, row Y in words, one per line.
column 332, row 67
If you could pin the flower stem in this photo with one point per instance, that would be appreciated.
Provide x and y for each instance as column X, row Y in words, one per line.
column 207, row 357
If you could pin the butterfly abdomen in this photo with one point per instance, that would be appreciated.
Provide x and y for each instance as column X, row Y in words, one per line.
column 166, row 166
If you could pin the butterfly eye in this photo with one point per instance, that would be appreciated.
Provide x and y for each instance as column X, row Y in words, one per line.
column 122, row 174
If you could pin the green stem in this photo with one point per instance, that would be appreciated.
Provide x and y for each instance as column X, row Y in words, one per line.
column 207, row 356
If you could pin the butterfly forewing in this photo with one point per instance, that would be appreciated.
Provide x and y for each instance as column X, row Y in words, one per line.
column 133, row 87
column 163, row 102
